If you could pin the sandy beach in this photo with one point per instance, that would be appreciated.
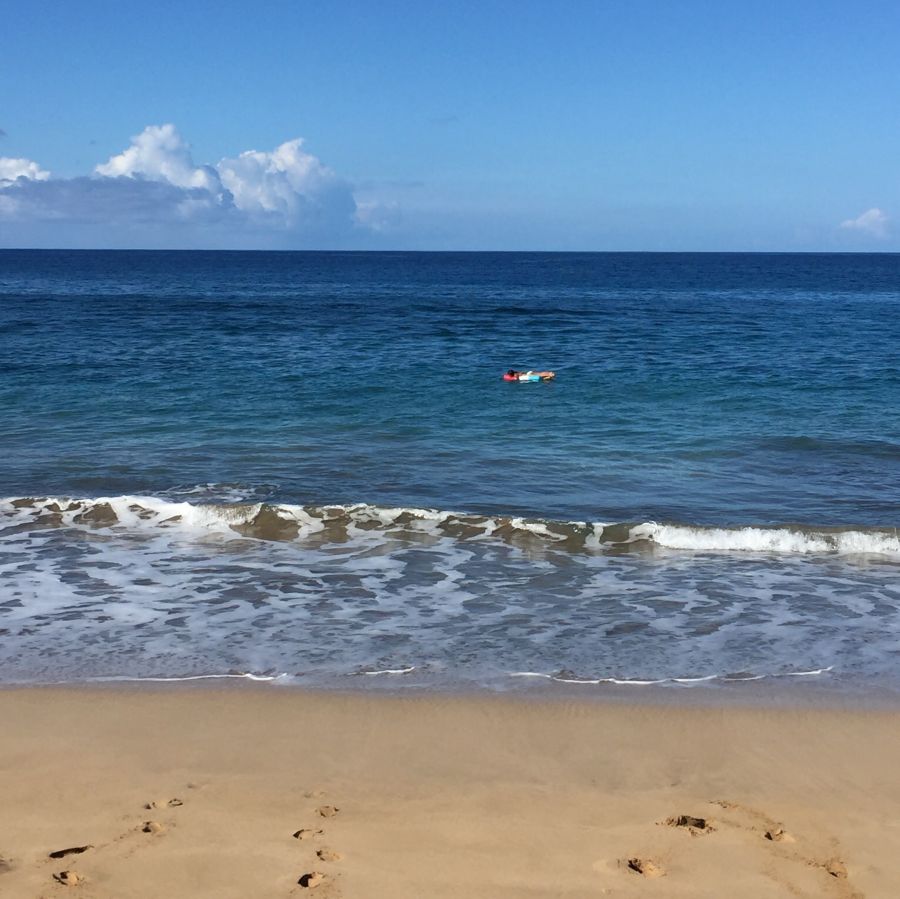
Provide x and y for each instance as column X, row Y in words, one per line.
column 255, row 792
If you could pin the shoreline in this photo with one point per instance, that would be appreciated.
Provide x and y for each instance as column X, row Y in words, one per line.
column 143, row 585
column 775, row 693
column 440, row 795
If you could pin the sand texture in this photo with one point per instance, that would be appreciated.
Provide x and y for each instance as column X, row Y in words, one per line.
column 245, row 793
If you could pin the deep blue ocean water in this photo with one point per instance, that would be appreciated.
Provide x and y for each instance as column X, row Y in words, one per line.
column 308, row 463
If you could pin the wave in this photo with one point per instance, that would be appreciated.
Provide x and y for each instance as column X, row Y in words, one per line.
column 841, row 541
column 568, row 677
column 819, row 445
column 560, row 677
column 342, row 523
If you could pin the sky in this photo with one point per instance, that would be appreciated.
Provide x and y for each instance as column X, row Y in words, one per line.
column 518, row 125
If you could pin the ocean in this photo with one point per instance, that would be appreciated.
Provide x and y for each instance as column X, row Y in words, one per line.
column 306, row 467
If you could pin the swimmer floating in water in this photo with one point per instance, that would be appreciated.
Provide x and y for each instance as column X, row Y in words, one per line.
column 514, row 375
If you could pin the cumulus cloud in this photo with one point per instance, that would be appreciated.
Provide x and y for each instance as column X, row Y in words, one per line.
column 11, row 169
column 287, row 183
column 872, row 222
column 158, row 153
column 155, row 181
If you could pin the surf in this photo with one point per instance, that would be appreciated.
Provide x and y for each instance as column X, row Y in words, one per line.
column 343, row 522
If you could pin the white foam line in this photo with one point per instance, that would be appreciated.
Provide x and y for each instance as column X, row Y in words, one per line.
column 665, row 680
column 246, row 676
column 808, row 673
column 585, row 680
column 390, row 671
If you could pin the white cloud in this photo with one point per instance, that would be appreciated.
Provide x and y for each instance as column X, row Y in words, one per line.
column 287, row 193
column 11, row 169
column 159, row 153
column 872, row 222
column 281, row 182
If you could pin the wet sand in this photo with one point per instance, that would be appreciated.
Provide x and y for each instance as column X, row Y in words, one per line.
column 263, row 792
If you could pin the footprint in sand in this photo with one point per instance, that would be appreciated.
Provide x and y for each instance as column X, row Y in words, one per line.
column 307, row 833
column 834, row 866
column 312, row 880
column 315, row 879
column 645, row 867
column 124, row 845
column 72, row 850
column 772, row 829
column 760, row 824
column 695, row 826
column 778, row 835
column 163, row 803
column 5, row 865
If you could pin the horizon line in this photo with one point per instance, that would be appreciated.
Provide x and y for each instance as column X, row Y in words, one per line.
column 458, row 251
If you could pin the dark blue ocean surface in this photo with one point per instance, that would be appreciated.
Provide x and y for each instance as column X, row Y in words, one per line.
column 717, row 461
column 700, row 388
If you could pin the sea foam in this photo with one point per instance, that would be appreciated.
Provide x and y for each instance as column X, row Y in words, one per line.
column 286, row 521
column 153, row 587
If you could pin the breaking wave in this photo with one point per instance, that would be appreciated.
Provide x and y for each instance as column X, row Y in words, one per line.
column 214, row 583
column 343, row 523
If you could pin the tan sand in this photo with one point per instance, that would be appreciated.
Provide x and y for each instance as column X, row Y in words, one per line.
column 249, row 793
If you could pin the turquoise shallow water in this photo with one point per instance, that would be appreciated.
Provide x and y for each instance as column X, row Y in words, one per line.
column 308, row 463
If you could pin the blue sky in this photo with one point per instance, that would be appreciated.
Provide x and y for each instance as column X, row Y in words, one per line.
column 515, row 125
